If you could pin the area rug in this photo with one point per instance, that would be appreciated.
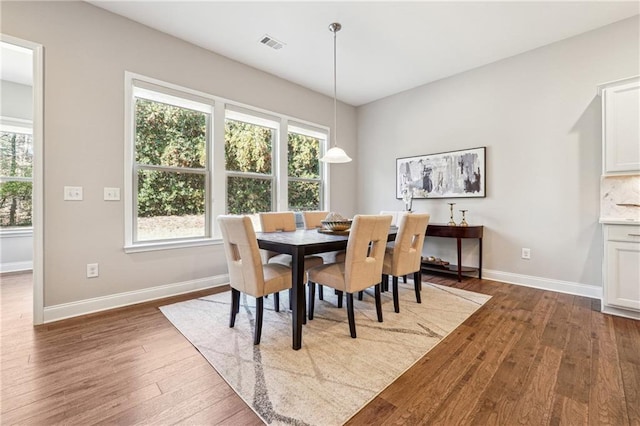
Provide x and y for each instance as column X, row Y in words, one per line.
column 333, row 376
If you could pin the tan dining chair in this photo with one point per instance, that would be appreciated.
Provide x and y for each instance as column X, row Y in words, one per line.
column 313, row 220
column 405, row 257
column 247, row 273
column 361, row 269
column 397, row 216
column 283, row 222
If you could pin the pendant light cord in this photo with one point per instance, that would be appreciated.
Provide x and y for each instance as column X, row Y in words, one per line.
column 335, row 101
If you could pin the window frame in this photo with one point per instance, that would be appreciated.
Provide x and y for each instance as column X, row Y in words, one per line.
column 323, row 137
column 255, row 118
column 141, row 87
column 216, row 194
column 21, row 126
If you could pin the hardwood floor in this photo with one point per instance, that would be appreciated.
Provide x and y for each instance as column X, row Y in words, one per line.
column 527, row 357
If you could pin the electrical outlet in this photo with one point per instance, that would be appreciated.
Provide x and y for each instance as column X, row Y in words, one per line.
column 73, row 193
column 526, row 253
column 92, row 270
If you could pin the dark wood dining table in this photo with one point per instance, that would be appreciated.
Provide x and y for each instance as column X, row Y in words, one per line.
column 298, row 244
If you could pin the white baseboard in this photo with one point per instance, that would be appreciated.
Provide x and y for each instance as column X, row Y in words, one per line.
column 607, row 309
column 88, row 306
column 16, row 266
column 568, row 287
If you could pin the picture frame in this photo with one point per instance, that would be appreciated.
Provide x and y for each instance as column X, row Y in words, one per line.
column 453, row 174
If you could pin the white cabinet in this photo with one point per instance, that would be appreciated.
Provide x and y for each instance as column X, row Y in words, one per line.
column 621, row 126
column 621, row 270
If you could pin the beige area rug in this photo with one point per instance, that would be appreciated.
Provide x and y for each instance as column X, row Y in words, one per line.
column 332, row 376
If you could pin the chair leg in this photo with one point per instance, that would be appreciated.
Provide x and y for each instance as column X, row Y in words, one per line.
column 360, row 295
column 417, row 284
column 339, row 293
column 276, row 301
column 378, row 302
column 396, row 303
column 405, row 279
column 259, row 311
column 351, row 315
column 290, row 301
column 320, row 292
column 312, row 296
column 385, row 283
column 235, row 303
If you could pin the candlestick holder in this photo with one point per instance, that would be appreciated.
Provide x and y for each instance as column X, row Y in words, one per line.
column 464, row 222
column 451, row 221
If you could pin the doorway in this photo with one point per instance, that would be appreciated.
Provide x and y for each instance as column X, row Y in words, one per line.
column 21, row 118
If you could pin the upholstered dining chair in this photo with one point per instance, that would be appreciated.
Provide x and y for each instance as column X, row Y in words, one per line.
column 247, row 273
column 313, row 220
column 361, row 269
column 397, row 216
column 405, row 256
column 279, row 222
column 283, row 222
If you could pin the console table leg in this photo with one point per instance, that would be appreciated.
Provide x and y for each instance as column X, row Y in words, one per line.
column 480, row 260
column 459, row 241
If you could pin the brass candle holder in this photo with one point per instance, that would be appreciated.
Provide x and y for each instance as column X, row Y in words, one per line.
column 464, row 222
column 451, row 221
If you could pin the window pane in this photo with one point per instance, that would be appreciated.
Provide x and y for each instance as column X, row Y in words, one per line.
column 248, row 147
column 167, row 135
column 170, row 205
column 16, row 154
column 304, row 195
column 304, row 156
column 248, row 195
column 15, row 204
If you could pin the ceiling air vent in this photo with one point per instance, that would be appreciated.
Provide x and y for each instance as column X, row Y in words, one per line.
column 267, row 40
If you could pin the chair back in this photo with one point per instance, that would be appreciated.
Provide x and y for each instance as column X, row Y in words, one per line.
column 243, row 255
column 365, row 251
column 407, row 251
column 278, row 221
column 313, row 219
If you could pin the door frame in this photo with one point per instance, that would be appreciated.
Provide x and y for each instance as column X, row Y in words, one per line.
column 38, row 172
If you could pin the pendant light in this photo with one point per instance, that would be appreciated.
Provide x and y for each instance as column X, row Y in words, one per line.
column 335, row 154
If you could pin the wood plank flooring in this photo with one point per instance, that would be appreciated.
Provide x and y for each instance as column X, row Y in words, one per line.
column 528, row 357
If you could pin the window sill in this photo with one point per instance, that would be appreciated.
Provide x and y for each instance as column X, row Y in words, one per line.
column 171, row 245
column 15, row 233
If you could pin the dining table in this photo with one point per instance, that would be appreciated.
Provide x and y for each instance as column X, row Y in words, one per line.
column 298, row 244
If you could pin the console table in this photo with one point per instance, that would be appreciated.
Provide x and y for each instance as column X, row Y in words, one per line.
column 457, row 232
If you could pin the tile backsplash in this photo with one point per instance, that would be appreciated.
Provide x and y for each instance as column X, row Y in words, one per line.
column 615, row 190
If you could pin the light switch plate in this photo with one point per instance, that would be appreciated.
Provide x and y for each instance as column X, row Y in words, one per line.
column 112, row 194
column 73, row 193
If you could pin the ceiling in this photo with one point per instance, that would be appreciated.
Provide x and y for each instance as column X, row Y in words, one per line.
column 383, row 47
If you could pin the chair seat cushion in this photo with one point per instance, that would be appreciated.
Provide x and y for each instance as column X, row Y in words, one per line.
column 331, row 275
column 399, row 269
column 285, row 260
column 276, row 278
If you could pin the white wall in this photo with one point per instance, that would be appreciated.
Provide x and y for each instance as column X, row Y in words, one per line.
column 87, row 50
column 16, row 100
column 16, row 247
column 539, row 116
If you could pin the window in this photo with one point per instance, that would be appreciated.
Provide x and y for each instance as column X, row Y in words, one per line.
column 180, row 173
column 305, row 183
column 171, row 183
column 16, row 174
column 249, row 153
